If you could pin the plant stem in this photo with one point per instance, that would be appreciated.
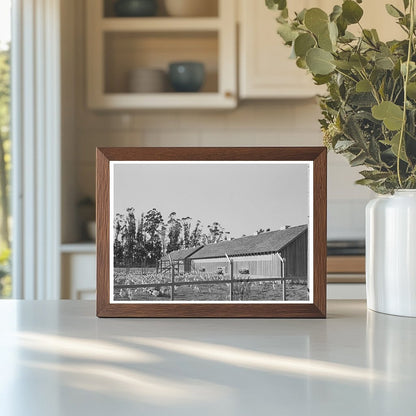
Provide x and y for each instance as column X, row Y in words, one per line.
column 346, row 75
column 373, row 88
column 406, row 80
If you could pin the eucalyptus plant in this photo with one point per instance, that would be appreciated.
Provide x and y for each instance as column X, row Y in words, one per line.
column 369, row 111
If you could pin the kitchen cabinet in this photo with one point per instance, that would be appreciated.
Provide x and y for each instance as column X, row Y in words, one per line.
column 343, row 269
column 265, row 70
column 78, row 263
column 118, row 45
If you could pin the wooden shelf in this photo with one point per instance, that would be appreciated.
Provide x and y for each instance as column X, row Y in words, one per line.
column 346, row 264
column 117, row 45
column 346, row 269
column 160, row 24
column 87, row 247
column 127, row 101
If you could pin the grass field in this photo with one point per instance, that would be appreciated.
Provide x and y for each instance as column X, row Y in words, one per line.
column 250, row 290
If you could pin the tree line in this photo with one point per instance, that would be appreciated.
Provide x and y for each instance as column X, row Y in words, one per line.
column 144, row 240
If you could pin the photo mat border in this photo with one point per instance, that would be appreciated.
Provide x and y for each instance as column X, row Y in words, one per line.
column 190, row 162
column 314, row 308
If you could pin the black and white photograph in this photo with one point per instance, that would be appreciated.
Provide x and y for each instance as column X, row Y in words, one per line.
column 211, row 231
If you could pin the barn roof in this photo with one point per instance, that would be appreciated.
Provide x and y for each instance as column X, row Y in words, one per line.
column 270, row 242
column 181, row 254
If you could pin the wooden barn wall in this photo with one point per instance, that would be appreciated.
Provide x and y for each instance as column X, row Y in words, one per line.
column 296, row 255
column 210, row 265
column 266, row 265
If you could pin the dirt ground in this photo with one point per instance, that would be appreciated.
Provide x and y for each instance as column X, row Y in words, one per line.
column 247, row 291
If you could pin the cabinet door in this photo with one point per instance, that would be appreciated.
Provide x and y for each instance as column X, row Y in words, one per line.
column 78, row 276
column 265, row 68
column 376, row 17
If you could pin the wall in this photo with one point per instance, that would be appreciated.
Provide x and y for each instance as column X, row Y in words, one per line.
column 256, row 123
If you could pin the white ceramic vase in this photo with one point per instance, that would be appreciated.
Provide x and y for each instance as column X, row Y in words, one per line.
column 391, row 253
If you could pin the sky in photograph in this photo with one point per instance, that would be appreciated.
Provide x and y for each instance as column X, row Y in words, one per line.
column 241, row 197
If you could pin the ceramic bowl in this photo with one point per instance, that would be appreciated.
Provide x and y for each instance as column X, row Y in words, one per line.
column 186, row 76
column 147, row 80
column 191, row 8
column 135, row 8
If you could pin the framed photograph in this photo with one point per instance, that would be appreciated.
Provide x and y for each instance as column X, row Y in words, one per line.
column 211, row 232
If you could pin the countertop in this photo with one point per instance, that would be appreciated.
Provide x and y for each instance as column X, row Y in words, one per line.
column 57, row 358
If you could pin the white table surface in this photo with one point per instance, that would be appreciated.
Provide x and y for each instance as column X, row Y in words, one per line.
column 57, row 358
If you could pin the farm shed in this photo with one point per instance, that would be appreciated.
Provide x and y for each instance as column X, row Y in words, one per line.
column 179, row 258
column 257, row 255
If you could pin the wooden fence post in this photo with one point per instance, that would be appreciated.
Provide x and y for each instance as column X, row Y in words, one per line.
column 231, row 278
column 172, row 281
column 284, row 279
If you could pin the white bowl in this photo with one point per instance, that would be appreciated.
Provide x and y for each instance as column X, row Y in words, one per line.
column 191, row 8
column 147, row 80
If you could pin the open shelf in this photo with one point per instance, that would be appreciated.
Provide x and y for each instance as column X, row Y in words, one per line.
column 127, row 51
column 160, row 24
column 119, row 45
column 167, row 100
column 87, row 247
column 211, row 9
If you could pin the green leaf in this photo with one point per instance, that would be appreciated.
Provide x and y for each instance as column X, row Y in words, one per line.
column 336, row 12
column 368, row 36
column 287, row 33
column 316, row 20
column 344, row 65
column 384, row 62
column 393, row 11
column 358, row 61
column 362, row 99
column 303, row 43
column 388, row 112
column 374, row 150
column 365, row 182
column 374, row 175
column 347, row 37
column 363, row 86
column 353, row 131
column 358, row 160
column 411, row 90
column 276, row 4
column 333, row 32
column 343, row 145
column 301, row 63
column 301, row 15
column 412, row 67
column 321, row 79
column 320, row 61
column 351, row 11
column 325, row 42
column 394, row 145
column 375, row 35
column 342, row 25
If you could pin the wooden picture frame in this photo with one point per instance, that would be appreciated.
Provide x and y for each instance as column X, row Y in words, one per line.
column 315, row 304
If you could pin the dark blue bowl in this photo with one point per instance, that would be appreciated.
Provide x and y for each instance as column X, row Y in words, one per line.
column 135, row 8
column 187, row 76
